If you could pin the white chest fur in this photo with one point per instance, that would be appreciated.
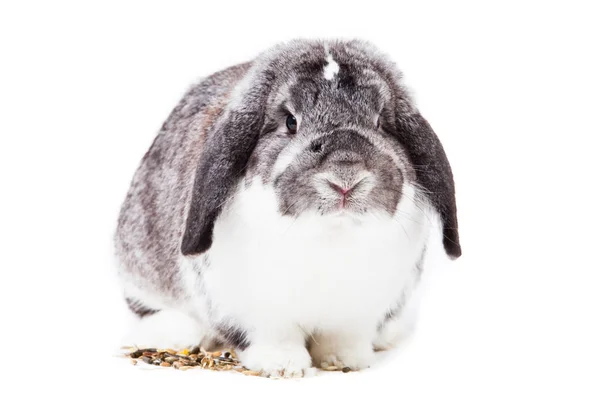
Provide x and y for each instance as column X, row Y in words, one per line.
column 313, row 271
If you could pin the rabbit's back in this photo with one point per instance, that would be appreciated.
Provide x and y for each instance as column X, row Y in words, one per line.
column 152, row 217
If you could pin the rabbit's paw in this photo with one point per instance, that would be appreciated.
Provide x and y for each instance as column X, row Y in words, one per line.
column 285, row 361
column 330, row 353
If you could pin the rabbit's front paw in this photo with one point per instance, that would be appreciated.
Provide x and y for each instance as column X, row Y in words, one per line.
column 166, row 329
column 329, row 352
column 288, row 361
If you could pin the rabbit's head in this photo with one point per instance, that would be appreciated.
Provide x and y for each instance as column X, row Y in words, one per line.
column 329, row 126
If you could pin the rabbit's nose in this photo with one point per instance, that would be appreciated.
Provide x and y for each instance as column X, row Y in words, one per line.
column 346, row 190
column 342, row 190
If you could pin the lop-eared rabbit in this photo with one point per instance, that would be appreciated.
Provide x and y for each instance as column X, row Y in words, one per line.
column 286, row 208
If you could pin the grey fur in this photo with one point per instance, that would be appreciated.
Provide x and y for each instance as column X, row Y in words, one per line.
column 152, row 218
column 226, row 128
column 138, row 308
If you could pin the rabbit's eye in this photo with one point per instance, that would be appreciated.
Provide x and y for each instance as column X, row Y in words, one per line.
column 291, row 123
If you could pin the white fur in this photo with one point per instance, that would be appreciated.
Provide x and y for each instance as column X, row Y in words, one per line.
column 135, row 289
column 283, row 278
column 342, row 349
column 168, row 329
column 331, row 69
column 289, row 154
column 278, row 358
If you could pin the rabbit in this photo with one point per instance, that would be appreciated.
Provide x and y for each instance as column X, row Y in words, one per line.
column 286, row 209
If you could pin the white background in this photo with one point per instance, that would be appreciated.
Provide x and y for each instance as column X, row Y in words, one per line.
column 511, row 89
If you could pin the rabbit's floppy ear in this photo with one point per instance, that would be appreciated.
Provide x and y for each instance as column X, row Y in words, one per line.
column 228, row 147
column 433, row 172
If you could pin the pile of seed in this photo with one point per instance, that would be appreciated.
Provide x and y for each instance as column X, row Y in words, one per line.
column 197, row 357
column 186, row 359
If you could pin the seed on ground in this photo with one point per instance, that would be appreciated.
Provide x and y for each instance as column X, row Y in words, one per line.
column 251, row 373
column 136, row 354
column 196, row 357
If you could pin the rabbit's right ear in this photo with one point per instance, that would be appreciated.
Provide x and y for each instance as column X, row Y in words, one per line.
column 227, row 149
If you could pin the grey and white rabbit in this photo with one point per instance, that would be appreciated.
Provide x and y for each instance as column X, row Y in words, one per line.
column 285, row 209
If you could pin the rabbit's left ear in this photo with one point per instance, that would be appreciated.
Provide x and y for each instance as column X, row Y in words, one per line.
column 228, row 147
column 433, row 172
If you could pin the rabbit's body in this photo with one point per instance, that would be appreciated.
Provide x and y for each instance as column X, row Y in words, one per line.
column 311, row 236
column 152, row 218
column 310, row 278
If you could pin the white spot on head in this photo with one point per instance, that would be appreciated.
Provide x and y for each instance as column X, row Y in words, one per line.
column 331, row 68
